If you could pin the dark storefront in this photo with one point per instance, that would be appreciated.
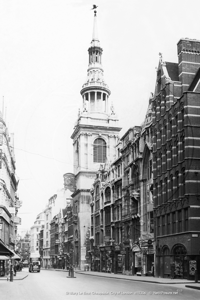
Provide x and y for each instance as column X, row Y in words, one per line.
column 177, row 263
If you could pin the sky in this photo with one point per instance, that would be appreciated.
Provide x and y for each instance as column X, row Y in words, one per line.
column 43, row 65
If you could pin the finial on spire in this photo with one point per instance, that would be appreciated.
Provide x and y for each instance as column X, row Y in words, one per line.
column 94, row 8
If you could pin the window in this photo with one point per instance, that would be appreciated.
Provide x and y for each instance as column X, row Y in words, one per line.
column 161, row 192
column 185, row 219
column 97, row 220
column 107, row 195
column 166, row 189
column 160, row 163
column 177, row 184
column 183, row 182
column 158, row 226
column 168, row 223
column 119, row 171
column 171, row 187
column 118, row 151
column 163, row 225
column 97, row 190
column 179, row 221
column 150, row 168
column 173, row 222
column 97, row 239
column 99, row 151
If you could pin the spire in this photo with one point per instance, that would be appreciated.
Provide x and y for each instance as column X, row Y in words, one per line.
column 95, row 39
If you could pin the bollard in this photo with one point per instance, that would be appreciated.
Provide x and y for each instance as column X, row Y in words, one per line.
column 11, row 273
column 71, row 273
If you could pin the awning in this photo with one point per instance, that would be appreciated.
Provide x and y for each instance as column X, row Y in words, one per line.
column 4, row 250
column 15, row 256
column 3, row 257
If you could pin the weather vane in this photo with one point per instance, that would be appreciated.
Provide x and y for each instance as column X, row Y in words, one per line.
column 94, row 8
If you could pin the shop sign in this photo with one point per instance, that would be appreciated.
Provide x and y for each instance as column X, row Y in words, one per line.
column 117, row 248
column 17, row 220
column 195, row 235
column 150, row 250
column 135, row 248
column 107, row 238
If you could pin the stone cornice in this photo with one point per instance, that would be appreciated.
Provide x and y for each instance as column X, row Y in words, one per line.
column 92, row 130
column 79, row 191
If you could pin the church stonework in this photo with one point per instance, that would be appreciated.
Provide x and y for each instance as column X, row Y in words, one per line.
column 95, row 137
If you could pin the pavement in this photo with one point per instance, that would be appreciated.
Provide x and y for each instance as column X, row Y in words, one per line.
column 148, row 279
column 19, row 276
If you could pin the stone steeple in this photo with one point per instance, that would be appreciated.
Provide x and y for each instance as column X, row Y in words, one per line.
column 95, row 92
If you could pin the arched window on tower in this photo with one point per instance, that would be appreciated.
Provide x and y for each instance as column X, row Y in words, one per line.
column 99, row 151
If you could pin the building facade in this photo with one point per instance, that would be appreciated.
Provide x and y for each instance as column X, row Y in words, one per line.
column 176, row 161
column 23, row 247
column 9, row 201
column 46, row 231
column 122, row 207
column 94, row 137
column 35, row 234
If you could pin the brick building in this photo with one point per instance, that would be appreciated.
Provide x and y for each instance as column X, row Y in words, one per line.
column 176, row 161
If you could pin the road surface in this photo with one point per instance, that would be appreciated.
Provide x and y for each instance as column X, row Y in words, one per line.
column 55, row 285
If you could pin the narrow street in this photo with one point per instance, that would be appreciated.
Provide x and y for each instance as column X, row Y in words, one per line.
column 52, row 285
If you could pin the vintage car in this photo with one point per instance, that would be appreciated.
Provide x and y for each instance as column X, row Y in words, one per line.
column 34, row 263
column 34, row 266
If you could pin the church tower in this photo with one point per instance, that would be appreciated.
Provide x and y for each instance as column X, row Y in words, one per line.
column 95, row 136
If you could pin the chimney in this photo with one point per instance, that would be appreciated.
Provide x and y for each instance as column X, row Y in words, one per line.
column 188, row 61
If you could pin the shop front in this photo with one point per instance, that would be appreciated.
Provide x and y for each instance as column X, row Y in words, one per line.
column 147, row 251
column 106, row 259
column 117, row 268
column 176, row 262
column 137, row 256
